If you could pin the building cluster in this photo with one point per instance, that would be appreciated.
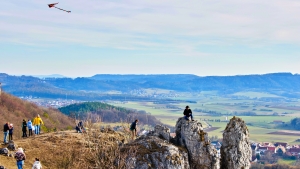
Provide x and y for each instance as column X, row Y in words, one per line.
column 278, row 149
column 55, row 103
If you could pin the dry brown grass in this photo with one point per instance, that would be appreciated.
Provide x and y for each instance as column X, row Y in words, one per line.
column 14, row 110
column 71, row 150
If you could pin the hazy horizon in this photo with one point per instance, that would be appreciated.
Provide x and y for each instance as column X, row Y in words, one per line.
column 205, row 38
column 63, row 76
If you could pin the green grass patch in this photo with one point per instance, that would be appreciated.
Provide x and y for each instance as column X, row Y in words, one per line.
column 287, row 162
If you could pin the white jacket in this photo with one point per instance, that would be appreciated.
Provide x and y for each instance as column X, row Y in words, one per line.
column 37, row 165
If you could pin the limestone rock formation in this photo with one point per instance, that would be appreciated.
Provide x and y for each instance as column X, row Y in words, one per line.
column 236, row 149
column 162, row 132
column 154, row 152
column 190, row 134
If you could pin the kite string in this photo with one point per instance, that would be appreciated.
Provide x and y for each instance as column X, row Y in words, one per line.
column 60, row 9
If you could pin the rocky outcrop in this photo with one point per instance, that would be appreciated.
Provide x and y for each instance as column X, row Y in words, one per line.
column 190, row 134
column 154, row 152
column 236, row 149
column 191, row 148
column 162, row 132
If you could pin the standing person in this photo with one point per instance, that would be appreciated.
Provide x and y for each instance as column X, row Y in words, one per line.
column 24, row 128
column 29, row 125
column 37, row 164
column 33, row 129
column 187, row 113
column 20, row 157
column 133, row 128
column 5, row 131
column 37, row 123
column 11, row 130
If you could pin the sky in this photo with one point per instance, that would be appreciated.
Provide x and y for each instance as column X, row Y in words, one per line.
column 201, row 37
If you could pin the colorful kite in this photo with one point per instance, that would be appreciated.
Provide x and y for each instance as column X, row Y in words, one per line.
column 53, row 6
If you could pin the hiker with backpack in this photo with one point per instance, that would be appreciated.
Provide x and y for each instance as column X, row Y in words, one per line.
column 37, row 122
column 11, row 130
column 133, row 128
column 188, row 113
column 24, row 128
column 5, row 131
column 20, row 157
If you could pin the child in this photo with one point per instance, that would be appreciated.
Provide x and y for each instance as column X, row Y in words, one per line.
column 37, row 164
column 11, row 130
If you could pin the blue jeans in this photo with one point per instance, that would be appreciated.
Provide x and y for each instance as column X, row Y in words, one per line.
column 37, row 129
column 5, row 137
column 187, row 117
column 20, row 164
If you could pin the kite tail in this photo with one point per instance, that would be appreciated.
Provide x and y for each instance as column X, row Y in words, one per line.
column 61, row 9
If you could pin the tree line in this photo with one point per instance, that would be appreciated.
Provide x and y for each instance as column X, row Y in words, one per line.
column 108, row 113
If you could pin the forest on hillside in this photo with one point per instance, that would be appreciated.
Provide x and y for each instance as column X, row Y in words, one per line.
column 108, row 113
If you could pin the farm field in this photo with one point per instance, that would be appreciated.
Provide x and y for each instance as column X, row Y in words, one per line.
column 210, row 106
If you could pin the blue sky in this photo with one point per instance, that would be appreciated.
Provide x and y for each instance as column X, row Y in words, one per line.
column 201, row 37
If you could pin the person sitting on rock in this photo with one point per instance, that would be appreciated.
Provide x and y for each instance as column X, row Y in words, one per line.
column 78, row 130
column 133, row 128
column 187, row 113
column 80, row 127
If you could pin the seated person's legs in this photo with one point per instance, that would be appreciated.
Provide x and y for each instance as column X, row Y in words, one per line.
column 186, row 117
column 192, row 117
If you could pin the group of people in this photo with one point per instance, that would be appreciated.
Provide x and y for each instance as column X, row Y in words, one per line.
column 8, row 128
column 21, row 157
column 187, row 114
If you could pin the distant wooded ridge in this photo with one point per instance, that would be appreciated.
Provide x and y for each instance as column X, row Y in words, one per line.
column 283, row 84
column 108, row 113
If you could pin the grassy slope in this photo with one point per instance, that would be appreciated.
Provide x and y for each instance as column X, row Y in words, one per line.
column 14, row 110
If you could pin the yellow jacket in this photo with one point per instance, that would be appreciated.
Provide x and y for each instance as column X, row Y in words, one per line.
column 38, row 121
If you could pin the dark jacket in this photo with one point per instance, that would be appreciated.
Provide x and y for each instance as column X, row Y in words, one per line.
column 187, row 112
column 24, row 126
column 133, row 126
column 11, row 130
column 5, row 128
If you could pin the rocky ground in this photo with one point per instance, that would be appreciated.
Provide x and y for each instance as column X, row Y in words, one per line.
column 190, row 149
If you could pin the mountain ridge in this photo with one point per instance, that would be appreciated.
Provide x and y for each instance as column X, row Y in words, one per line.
column 94, row 87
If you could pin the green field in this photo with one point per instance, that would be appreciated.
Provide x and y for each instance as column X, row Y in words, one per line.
column 225, row 106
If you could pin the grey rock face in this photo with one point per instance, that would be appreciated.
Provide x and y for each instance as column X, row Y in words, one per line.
column 162, row 132
column 154, row 152
column 236, row 148
column 202, row 155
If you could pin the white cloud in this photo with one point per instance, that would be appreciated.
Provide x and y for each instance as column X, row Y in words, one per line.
column 135, row 24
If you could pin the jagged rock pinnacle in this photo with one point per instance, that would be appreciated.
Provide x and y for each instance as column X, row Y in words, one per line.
column 202, row 155
column 236, row 149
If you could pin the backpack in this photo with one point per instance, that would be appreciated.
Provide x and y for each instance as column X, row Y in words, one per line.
column 4, row 151
column 11, row 145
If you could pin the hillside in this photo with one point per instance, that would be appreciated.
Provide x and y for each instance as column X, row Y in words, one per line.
column 108, row 113
column 14, row 110
column 89, row 88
